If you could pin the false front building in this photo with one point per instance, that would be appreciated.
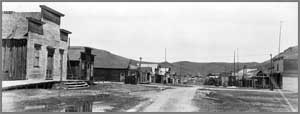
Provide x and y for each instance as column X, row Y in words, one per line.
column 287, row 67
column 80, row 64
column 33, row 45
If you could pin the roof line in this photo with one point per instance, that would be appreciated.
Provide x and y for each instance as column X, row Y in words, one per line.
column 51, row 10
column 65, row 31
column 35, row 20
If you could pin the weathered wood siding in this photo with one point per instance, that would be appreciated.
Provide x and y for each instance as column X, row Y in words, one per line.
column 101, row 74
column 290, row 66
column 51, row 16
column 36, row 28
column 14, row 56
column 73, row 70
column 63, row 36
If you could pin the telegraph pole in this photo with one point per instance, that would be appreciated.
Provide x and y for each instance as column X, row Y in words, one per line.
column 243, row 78
column 279, row 37
column 140, row 70
column 270, row 77
column 237, row 56
column 165, row 54
column 180, row 71
column 234, row 64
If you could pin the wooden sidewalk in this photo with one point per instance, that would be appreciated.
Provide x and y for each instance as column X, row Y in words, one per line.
column 19, row 83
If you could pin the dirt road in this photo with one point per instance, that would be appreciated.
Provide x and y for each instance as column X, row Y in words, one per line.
column 178, row 99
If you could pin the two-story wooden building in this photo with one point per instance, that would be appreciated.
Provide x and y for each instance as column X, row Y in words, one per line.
column 287, row 67
column 34, row 47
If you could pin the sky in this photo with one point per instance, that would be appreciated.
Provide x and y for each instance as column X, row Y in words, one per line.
column 189, row 31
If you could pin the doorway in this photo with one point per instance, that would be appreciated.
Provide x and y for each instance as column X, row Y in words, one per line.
column 50, row 60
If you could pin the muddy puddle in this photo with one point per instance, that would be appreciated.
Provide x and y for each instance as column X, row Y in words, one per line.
column 76, row 104
column 16, row 102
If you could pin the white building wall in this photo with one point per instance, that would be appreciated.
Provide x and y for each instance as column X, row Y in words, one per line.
column 290, row 84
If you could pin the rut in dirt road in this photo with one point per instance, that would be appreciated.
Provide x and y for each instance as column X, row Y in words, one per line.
column 174, row 100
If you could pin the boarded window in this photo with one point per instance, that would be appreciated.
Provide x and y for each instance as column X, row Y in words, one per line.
column 37, row 49
column 290, row 64
column 63, row 36
column 35, row 27
column 51, row 16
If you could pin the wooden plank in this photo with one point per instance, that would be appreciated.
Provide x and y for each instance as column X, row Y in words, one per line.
column 25, row 59
column 50, row 16
column 13, row 58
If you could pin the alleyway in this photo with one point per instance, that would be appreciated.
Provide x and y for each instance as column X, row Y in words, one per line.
column 178, row 99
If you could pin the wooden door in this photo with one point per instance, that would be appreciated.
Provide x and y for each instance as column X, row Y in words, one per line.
column 88, row 71
column 61, row 63
column 49, row 71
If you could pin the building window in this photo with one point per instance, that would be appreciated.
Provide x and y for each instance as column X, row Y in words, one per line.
column 277, row 67
column 83, row 66
column 37, row 49
column 122, row 76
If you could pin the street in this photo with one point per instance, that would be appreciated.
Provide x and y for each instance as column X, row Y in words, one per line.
column 150, row 57
column 206, row 99
column 178, row 99
column 115, row 97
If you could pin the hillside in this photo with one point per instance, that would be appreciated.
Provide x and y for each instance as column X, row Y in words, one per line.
column 106, row 59
column 205, row 68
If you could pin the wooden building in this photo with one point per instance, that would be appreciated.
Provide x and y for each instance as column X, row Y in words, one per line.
column 145, row 76
column 80, row 63
column 224, row 76
column 109, row 67
column 286, row 66
column 154, row 69
column 34, row 47
column 260, row 80
column 163, row 72
column 132, row 74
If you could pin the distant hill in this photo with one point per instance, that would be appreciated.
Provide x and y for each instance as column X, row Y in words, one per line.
column 205, row 68
column 103, row 58
column 106, row 58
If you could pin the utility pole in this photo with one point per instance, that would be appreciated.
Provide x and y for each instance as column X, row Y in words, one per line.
column 237, row 56
column 140, row 70
column 243, row 78
column 234, row 64
column 165, row 54
column 180, row 71
column 271, row 72
column 279, row 37
column 234, row 74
